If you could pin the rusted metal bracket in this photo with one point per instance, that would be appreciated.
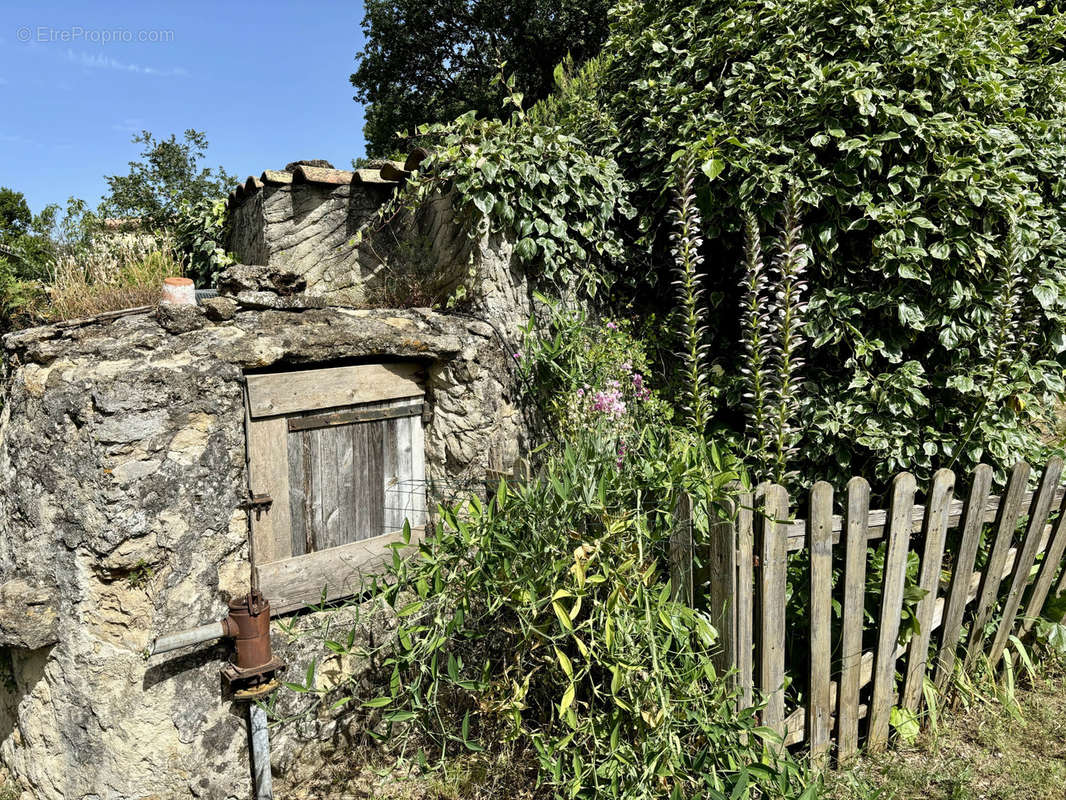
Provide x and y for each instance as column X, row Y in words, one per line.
column 257, row 503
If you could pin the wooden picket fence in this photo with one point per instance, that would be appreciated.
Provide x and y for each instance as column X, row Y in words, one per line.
column 742, row 569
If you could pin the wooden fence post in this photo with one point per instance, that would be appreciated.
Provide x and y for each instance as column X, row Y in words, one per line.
column 681, row 551
column 745, row 605
column 1010, row 508
column 1023, row 562
column 722, row 589
column 856, row 524
column 820, row 534
column 899, row 532
column 772, row 590
column 935, row 533
column 958, row 595
column 1048, row 569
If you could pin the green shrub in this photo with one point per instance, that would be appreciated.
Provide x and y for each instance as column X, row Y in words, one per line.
column 926, row 141
column 544, row 617
column 200, row 231
column 534, row 182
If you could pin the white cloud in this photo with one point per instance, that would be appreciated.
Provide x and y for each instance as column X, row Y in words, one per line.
column 106, row 62
column 130, row 125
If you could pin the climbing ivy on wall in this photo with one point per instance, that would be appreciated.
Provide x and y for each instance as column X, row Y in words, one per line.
column 533, row 182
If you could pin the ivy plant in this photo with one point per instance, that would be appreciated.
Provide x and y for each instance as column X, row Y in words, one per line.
column 534, row 183
column 926, row 142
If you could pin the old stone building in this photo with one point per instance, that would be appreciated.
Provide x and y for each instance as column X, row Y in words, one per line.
column 130, row 442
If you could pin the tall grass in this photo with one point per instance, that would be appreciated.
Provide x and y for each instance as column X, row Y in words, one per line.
column 110, row 273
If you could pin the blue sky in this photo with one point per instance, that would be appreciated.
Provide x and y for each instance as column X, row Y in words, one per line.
column 266, row 81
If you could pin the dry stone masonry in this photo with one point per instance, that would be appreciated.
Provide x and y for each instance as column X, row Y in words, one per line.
column 122, row 467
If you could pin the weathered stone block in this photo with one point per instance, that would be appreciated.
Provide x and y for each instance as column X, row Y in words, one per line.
column 28, row 615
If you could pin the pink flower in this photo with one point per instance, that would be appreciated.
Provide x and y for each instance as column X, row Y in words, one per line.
column 580, row 392
column 610, row 403
column 612, row 326
column 517, row 356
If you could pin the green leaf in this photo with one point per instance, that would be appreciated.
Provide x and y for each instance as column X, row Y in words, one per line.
column 712, row 167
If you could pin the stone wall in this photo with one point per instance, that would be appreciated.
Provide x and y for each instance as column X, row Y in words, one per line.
column 310, row 228
column 322, row 225
column 121, row 469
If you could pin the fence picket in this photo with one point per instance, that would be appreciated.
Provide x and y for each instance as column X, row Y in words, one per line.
column 722, row 590
column 936, row 527
column 1048, row 569
column 1049, row 483
column 1010, row 508
column 745, row 596
column 962, row 575
column 855, row 525
column 895, row 573
column 819, row 709
column 681, row 551
column 772, row 593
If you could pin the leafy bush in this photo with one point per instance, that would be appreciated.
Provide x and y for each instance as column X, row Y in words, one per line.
column 573, row 367
column 544, row 616
column 926, row 141
column 199, row 229
column 533, row 182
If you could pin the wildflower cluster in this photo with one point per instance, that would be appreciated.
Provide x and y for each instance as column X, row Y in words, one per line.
column 590, row 377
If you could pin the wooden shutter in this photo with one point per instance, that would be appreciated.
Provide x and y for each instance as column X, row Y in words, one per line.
column 340, row 451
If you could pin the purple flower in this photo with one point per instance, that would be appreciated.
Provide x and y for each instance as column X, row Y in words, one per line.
column 609, row 403
column 517, row 356
column 580, row 392
column 612, row 326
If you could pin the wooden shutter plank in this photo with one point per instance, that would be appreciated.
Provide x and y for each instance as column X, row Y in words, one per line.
column 390, row 477
column 314, row 389
column 417, row 476
column 299, row 496
column 268, row 462
column 326, row 486
column 295, row 583
column 374, row 480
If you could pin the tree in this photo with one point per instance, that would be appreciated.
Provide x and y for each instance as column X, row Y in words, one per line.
column 25, row 238
column 432, row 61
column 168, row 178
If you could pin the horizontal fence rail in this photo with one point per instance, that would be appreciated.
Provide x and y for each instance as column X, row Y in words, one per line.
column 982, row 558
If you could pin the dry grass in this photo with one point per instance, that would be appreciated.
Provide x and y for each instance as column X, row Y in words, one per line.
column 116, row 271
column 987, row 752
column 367, row 773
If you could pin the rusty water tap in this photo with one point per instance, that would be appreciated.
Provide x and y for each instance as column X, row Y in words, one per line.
column 248, row 624
column 253, row 672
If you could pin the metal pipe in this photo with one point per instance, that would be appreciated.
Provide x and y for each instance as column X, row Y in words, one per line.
column 257, row 725
column 173, row 641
